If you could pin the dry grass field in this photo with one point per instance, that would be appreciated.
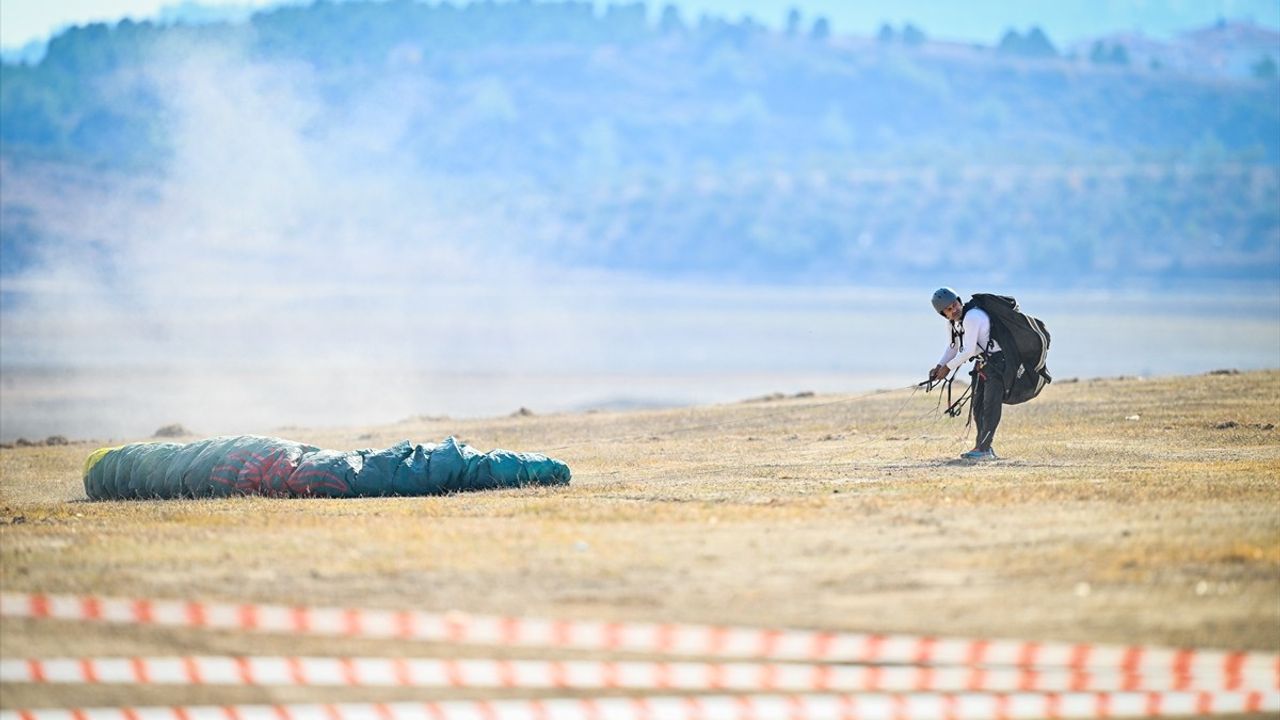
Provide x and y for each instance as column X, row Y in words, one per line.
column 1125, row 511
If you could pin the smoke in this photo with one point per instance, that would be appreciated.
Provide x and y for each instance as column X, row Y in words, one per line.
column 289, row 265
column 295, row 264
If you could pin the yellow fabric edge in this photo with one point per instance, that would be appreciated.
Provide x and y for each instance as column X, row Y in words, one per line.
column 95, row 456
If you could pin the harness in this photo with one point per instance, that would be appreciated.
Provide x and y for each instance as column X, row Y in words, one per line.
column 956, row 407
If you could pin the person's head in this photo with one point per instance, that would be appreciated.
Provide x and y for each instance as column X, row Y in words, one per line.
column 947, row 303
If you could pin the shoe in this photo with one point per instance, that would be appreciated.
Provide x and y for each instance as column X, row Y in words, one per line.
column 980, row 455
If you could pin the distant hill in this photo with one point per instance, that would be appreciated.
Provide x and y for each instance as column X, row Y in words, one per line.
column 1224, row 50
column 707, row 147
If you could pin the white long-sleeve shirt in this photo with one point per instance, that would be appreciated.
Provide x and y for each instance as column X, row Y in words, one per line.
column 977, row 334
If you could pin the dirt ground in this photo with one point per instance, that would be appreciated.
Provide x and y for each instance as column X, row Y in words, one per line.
column 1124, row 511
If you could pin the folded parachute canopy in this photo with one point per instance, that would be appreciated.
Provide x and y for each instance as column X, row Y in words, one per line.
column 253, row 465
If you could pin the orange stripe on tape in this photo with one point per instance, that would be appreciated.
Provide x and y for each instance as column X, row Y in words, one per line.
column 1053, row 706
column 1002, row 707
column 1079, row 656
column 509, row 630
column 871, row 647
column 1182, row 661
column 455, row 629
column 900, row 709
column 248, row 615
column 769, row 642
column 140, row 670
column 797, row 706
column 978, row 651
column 142, row 610
column 666, row 639
column 243, row 670
column 349, row 674
column 613, row 635
column 193, row 671
column 1028, row 654
column 559, row 675
column 822, row 677
column 352, row 622
column 924, row 649
column 613, row 676
column 950, row 707
column 1233, row 665
column 871, row 679
column 1153, row 704
column 1132, row 659
column 1102, row 704
column 507, row 675
column 406, row 624
column 401, row 670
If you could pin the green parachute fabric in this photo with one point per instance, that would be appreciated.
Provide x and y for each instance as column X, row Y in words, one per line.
column 255, row 465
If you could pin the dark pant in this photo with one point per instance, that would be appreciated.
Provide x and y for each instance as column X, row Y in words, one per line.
column 988, row 398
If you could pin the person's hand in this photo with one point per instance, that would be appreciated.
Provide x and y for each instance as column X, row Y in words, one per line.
column 938, row 372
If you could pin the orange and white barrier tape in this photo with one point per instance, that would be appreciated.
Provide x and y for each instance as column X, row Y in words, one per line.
column 585, row 674
column 703, row 640
column 744, row 707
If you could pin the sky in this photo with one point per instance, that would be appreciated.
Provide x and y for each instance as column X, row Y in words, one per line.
column 22, row 21
column 1066, row 21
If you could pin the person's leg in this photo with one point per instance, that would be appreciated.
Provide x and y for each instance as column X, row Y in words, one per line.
column 979, row 420
column 992, row 402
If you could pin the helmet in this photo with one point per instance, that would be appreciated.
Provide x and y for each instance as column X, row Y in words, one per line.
column 943, row 297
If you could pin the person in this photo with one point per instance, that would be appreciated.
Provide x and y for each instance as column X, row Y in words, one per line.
column 971, row 340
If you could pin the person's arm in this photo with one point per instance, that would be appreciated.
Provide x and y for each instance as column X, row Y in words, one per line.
column 941, row 370
column 976, row 327
column 949, row 353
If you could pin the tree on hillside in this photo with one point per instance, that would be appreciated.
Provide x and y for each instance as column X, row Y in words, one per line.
column 821, row 30
column 1037, row 44
column 912, row 35
column 1010, row 43
column 625, row 22
column 793, row 22
column 1034, row 44
column 1265, row 69
column 886, row 35
column 670, row 23
column 715, row 31
column 1102, row 54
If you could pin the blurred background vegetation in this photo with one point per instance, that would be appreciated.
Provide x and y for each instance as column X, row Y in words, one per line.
column 657, row 144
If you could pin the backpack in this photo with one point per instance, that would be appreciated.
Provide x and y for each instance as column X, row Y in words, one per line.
column 1025, row 342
